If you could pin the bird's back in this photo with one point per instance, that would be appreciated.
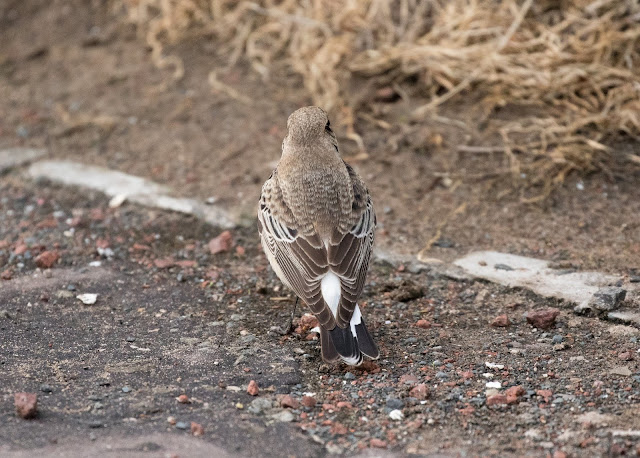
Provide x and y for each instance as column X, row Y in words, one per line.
column 319, row 195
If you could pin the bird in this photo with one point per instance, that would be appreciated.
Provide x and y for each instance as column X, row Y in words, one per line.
column 316, row 223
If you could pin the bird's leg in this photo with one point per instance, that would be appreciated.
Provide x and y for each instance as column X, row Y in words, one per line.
column 289, row 327
column 293, row 314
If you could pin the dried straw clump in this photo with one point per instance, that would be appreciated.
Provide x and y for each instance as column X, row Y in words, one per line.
column 575, row 61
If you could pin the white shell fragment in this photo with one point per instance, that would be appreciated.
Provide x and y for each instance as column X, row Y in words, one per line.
column 88, row 298
column 117, row 200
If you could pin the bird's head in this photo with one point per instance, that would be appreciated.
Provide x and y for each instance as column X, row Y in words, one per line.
column 309, row 126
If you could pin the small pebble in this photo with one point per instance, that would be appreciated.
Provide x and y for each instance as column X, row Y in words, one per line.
column 126, row 389
column 26, row 404
column 394, row 403
column 197, row 429
column 283, row 416
column 289, row 402
column 378, row 443
column 349, row 376
column 503, row 267
column 93, row 424
column 308, row 401
column 253, row 388
column 182, row 425
column 259, row 405
column 501, row 321
column 183, row 399
column 46, row 388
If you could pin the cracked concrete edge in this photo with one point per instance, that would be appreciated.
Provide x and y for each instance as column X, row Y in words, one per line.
column 537, row 275
column 575, row 288
column 129, row 187
column 16, row 157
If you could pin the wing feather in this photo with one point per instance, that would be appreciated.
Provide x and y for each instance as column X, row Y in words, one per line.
column 300, row 261
column 349, row 259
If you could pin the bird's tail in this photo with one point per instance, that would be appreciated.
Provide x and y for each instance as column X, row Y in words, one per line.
column 348, row 344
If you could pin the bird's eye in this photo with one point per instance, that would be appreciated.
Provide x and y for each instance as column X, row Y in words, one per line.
column 327, row 127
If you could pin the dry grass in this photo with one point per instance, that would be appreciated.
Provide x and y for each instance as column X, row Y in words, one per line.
column 574, row 63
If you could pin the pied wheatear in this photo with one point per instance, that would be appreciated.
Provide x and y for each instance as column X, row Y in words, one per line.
column 316, row 223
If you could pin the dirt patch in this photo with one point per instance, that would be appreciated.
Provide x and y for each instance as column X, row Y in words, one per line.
column 172, row 319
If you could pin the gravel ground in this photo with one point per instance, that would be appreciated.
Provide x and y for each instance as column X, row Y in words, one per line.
column 177, row 334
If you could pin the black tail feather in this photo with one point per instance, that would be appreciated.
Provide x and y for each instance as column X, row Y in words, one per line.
column 346, row 345
column 340, row 344
column 327, row 349
column 344, row 341
column 365, row 341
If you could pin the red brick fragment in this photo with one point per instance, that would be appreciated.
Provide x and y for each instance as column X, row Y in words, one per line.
column 308, row 401
column 424, row 324
column 21, row 248
column 496, row 399
column 221, row 243
column 544, row 318
column 378, row 443
column 47, row 259
column 197, row 429
column 164, row 263
column 253, row 389
column 338, row 428
column 408, row 379
column 420, row 392
column 183, row 399
column 546, row 394
column 289, row 402
column 26, row 404
column 625, row 356
column 501, row 321
column 513, row 394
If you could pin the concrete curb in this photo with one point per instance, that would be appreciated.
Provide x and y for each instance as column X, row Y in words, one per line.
column 122, row 186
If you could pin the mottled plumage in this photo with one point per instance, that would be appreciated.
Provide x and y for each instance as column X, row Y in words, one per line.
column 316, row 223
